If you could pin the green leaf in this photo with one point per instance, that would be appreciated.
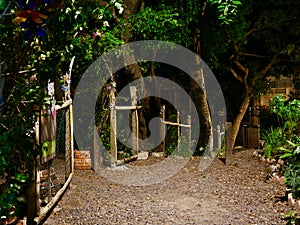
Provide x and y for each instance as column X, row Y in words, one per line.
column 291, row 143
column 286, row 155
column 236, row 2
column 285, row 150
column 3, row 4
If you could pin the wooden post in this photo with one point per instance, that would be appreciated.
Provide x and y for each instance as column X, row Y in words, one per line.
column 219, row 144
column 113, row 128
column 134, row 121
column 68, row 150
column 163, row 127
column 96, row 156
column 228, row 151
column 49, row 164
column 33, row 200
column 189, row 122
column 32, row 192
column 178, row 127
column 36, row 171
column 71, row 138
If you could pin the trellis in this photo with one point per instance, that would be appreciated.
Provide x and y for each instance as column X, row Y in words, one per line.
column 50, row 176
column 135, row 125
column 113, row 123
column 177, row 124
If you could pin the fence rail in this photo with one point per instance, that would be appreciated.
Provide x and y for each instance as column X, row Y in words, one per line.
column 188, row 126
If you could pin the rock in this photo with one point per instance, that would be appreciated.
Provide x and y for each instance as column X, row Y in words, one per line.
column 297, row 205
column 276, row 178
column 280, row 161
column 158, row 154
column 273, row 168
column 291, row 201
column 282, row 180
column 143, row 155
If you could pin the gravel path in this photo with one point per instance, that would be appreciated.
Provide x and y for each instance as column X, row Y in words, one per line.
column 236, row 194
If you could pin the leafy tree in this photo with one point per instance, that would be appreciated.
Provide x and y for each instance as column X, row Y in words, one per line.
column 181, row 22
column 263, row 41
column 38, row 39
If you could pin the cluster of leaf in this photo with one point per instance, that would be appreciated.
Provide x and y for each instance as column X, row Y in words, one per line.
column 288, row 111
column 226, row 9
column 164, row 23
column 82, row 29
column 284, row 141
column 18, row 150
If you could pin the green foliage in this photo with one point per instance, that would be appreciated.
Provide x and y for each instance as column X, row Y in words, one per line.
column 164, row 24
column 290, row 152
column 84, row 29
column 81, row 29
column 289, row 148
column 273, row 139
column 14, row 195
column 172, row 140
column 292, row 179
column 290, row 218
column 226, row 10
column 289, row 111
column 17, row 143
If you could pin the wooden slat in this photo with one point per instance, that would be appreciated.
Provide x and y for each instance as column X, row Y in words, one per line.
column 127, row 107
column 176, row 124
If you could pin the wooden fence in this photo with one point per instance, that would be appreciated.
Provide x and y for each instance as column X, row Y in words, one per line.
column 179, row 125
column 50, row 178
column 135, row 125
column 113, row 123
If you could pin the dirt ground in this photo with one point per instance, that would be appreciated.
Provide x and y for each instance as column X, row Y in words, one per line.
column 235, row 194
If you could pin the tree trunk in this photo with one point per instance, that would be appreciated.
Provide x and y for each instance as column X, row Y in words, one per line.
column 239, row 117
column 133, row 70
column 248, row 93
column 199, row 97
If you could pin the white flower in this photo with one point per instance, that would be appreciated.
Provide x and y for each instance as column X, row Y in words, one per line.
column 118, row 5
column 68, row 10
column 112, row 1
column 105, row 24
column 121, row 10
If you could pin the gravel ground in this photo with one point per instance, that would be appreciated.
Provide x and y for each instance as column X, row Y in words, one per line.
column 236, row 194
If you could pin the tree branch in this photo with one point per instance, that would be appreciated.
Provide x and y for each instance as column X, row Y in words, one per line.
column 234, row 73
column 269, row 66
column 241, row 67
column 264, row 70
column 253, row 55
column 253, row 30
column 244, row 69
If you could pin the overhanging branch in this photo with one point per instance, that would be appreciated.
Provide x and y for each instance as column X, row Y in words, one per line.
column 269, row 66
column 253, row 30
column 253, row 55
column 244, row 69
column 264, row 70
column 234, row 73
